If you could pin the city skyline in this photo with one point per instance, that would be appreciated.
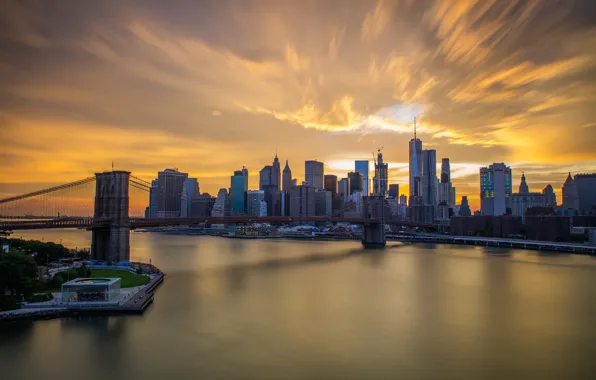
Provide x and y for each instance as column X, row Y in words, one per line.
column 168, row 86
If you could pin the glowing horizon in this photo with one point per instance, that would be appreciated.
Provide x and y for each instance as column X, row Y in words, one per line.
column 211, row 86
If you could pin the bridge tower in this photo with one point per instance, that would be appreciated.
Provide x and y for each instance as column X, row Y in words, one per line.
column 373, row 212
column 110, row 237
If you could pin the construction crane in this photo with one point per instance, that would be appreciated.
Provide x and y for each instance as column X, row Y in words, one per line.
column 375, row 157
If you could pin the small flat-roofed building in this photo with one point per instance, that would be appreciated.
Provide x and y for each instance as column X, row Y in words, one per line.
column 91, row 290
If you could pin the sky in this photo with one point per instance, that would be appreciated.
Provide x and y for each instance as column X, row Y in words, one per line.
column 209, row 86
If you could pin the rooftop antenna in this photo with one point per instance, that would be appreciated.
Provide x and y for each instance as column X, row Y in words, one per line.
column 112, row 165
column 414, row 128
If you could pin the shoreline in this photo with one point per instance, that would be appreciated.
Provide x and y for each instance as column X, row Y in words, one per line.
column 530, row 245
column 143, row 298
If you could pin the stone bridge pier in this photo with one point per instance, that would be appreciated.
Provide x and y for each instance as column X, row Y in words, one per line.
column 110, row 240
column 373, row 212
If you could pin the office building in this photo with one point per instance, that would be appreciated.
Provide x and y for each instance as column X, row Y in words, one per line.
column 586, row 192
column 445, row 171
column 220, row 207
column 153, row 191
column 415, row 167
column 265, row 177
column 276, row 173
column 273, row 199
column 190, row 190
column 263, row 208
column 331, row 183
column 570, row 194
column 343, row 190
column 464, row 207
column 550, row 198
column 446, row 192
column 287, row 178
column 380, row 181
column 394, row 191
column 170, row 184
column 202, row 205
column 302, row 200
column 314, row 173
column 363, row 167
column 495, row 189
column 323, row 203
column 429, row 177
column 245, row 174
column 356, row 182
column 524, row 199
column 238, row 193
column 253, row 202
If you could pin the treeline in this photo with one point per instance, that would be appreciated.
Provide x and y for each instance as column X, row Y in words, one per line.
column 19, row 277
column 45, row 252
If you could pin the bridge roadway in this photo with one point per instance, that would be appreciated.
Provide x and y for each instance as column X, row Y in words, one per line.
column 164, row 222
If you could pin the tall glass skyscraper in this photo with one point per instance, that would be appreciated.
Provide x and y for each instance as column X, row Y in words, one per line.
column 238, row 192
column 495, row 189
column 429, row 177
column 170, row 184
column 363, row 167
column 415, row 155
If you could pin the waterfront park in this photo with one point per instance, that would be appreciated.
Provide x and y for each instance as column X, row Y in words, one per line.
column 37, row 278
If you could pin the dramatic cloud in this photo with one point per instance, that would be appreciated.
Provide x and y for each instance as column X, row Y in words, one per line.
column 211, row 85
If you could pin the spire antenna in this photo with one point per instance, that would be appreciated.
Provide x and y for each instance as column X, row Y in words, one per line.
column 414, row 128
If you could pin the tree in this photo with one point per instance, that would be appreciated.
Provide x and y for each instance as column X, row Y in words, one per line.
column 83, row 271
column 18, row 273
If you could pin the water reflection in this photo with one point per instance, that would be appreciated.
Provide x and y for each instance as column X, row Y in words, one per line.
column 233, row 308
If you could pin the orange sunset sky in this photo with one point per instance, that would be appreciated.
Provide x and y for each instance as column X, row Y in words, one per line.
column 211, row 86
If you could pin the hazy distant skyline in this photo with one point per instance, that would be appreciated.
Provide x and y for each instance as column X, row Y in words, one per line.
column 211, row 86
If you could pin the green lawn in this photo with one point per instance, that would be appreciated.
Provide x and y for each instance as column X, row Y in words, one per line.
column 127, row 279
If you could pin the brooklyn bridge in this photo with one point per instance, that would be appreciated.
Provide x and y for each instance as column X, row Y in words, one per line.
column 106, row 197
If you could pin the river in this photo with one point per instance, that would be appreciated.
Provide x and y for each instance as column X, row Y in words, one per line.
column 282, row 309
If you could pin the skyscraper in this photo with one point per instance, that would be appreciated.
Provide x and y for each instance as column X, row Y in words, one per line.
column 302, row 200
column 464, row 208
column 356, row 182
column 524, row 200
column 220, row 205
column 523, row 185
column 331, row 183
column 266, row 177
column 445, row 171
column 190, row 190
column 445, row 188
column 253, row 202
column 245, row 174
column 586, row 192
column 287, row 178
column 276, row 173
column 570, row 195
column 313, row 173
column 153, row 198
column 550, row 198
column 495, row 189
column 394, row 190
column 429, row 177
column 343, row 189
column 170, row 183
column 363, row 167
column 415, row 167
column 238, row 192
column 381, row 176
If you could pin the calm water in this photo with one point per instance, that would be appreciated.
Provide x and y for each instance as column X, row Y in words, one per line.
column 272, row 309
